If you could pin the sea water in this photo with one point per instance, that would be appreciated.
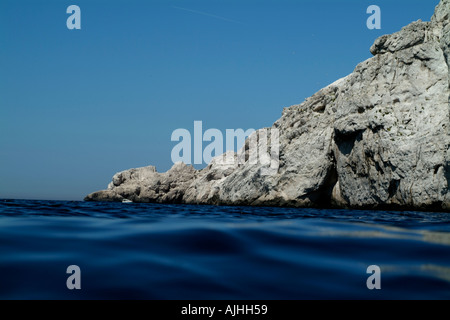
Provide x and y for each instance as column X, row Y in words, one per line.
column 154, row 251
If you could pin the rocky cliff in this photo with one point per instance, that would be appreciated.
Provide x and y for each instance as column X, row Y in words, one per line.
column 378, row 138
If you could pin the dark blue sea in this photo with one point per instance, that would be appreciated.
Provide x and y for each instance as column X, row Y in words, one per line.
column 153, row 251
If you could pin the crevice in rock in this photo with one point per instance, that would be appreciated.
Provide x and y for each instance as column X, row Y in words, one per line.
column 377, row 129
column 393, row 187
column 322, row 197
column 378, row 167
column 436, row 168
column 346, row 142
column 447, row 175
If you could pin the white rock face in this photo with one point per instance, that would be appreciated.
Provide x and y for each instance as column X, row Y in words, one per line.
column 378, row 138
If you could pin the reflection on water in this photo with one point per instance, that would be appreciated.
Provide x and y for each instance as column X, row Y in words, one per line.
column 437, row 271
column 436, row 237
column 138, row 251
column 388, row 232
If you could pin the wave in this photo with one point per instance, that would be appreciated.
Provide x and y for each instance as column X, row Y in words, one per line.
column 152, row 251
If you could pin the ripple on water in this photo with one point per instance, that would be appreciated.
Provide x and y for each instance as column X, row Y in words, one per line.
column 154, row 251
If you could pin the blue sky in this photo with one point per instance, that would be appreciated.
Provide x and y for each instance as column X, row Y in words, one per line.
column 77, row 106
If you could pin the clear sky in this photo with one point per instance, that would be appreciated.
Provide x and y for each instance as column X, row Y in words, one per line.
column 77, row 106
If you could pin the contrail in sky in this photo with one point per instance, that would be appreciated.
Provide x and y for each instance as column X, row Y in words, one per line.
column 206, row 14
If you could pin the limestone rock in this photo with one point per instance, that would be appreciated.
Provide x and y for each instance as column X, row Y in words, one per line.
column 378, row 138
column 147, row 185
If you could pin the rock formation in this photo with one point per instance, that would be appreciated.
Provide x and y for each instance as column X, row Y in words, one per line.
column 378, row 138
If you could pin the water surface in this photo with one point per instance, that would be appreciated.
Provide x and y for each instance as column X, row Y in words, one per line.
column 152, row 251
